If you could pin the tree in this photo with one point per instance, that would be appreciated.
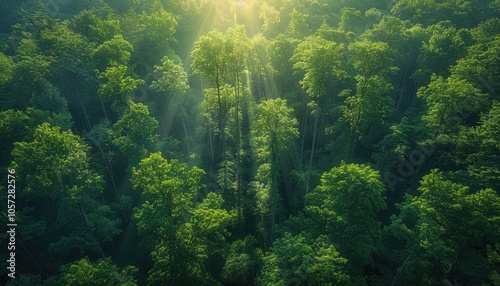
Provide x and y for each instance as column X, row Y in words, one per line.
column 172, row 77
column 446, row 100
column 172, row 84
column 150, row 34
column 237, row 47
column 273, row 131
column 103, row 272
column 322, row 64
column 406, row 40
column 270, row 17
column 49, row 99
column 345, row 205
column 135, row 132
column 259, row 66
column 6, row 64
column 113, row 52
column 351, row 21
column 281, row 49
column 479, row 65
column 298, row 260
column 18, row 126
column 298, row 26
column 55, row 170
column 449, row 225
column 98, row 24
column 116, row 86
column 369, row 109
column 29, row 75
column 209, row 62
column 477, row 150
column 243, row 262
column 182, row 235
column 444, row 46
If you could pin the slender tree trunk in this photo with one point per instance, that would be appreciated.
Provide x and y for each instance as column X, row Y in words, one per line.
column 33, row 258
column 186, row 136
column 87, row 121
column 104, row 109
column 210, row 135
column 304, row 128
column 273, row 189
column 221, row 120
column 402, row 90
column 98, row 243
column 342, row 233
column 312, row 151
column 238, row 159
column 400, row 270
column 109, row 168
column 221, row 130
column 447, row 273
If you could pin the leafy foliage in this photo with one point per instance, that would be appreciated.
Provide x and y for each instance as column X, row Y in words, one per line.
column 227, row 125
column 345, row 205
column 103, row 271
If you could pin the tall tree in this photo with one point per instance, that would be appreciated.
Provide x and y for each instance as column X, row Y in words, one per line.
column 209, row 62
column 369, row 109
column 345, row 205
column 299, row 260
column 172, row 85
column 55, row 169
column 237, row 45
column 181, row 234
column 450, row 227
column 98, row 24
column 273, row 131
column 135, row 133
column 321, row 61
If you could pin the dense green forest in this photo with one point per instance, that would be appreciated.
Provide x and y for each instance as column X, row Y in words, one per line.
column 259, row 142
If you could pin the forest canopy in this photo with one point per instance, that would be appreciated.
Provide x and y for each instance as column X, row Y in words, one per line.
column 256, row 142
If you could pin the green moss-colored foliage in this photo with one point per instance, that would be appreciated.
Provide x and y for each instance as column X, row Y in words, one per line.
column 449, row 224
column 134, row 133
column 54, row 168
column 254, row 142
column 345, row 205
column 297, row 260
column 103, row 272
column 181, row 234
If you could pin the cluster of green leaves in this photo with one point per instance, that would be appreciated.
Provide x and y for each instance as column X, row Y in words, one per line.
column 181, row 234
column 55, row 170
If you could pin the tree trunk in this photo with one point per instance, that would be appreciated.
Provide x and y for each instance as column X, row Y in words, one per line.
column 186, row 136
column 304, row 128
column 101, row 253
column 273, row 189
column 210, row 136
column 33, row 258
column 447, row 273
column 221, row 130
column 238, row 159
column 400, row 270
column 109, row 168
column 312, row 151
